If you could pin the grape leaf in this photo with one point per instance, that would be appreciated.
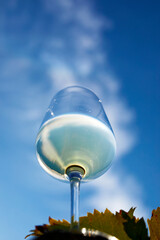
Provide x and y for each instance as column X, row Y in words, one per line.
column 54, row 222
column 154, row 224
column 105, row 222
column 38, row 231
column 45, row 228
column 134, row 227
column 130, row 213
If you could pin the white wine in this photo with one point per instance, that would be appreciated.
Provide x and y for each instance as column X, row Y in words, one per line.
column 75, row 140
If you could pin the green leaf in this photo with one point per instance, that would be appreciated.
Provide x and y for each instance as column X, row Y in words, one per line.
column 134, row 227
column 53, row 225
column 154, row 224
column 38, row 231
column 131, row 212
column 105, row 222
column 54, row 222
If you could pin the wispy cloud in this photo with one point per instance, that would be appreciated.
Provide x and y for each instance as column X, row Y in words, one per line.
column 116, row 191
column 61, row 76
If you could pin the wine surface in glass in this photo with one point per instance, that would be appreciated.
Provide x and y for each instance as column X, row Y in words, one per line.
column 75, row 139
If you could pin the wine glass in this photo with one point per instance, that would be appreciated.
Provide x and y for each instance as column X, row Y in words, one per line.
column 75, row 142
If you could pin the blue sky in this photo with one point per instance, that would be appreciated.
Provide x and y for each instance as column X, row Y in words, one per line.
column 111, row 47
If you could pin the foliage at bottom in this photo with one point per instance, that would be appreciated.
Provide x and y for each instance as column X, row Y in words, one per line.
column 123, row 225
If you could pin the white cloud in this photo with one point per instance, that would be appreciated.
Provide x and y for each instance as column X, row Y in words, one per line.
column 88, row 20
column 122, row 119
column 111, row 83
column 84, row 66
column 87, row 42
column 62, row 76
column 116, row 191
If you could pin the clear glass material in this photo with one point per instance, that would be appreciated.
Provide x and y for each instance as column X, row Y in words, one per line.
column 75, row 131
column 75, row 139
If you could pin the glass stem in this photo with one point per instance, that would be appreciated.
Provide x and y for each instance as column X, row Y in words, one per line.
column 75, row 174
column 75, row 192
